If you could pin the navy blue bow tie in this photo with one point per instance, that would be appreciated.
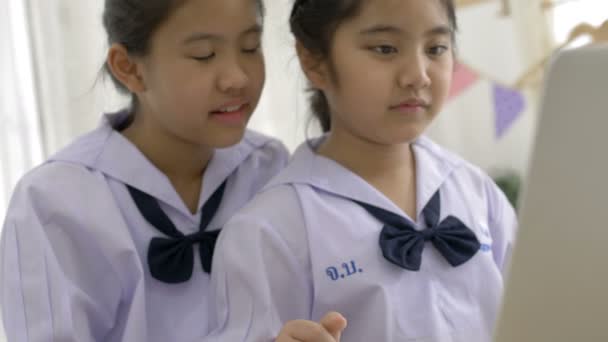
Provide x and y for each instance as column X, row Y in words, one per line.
column 402, row 244
column 171, row 260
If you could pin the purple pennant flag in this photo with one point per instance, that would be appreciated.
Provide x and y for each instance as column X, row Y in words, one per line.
column 508, row 105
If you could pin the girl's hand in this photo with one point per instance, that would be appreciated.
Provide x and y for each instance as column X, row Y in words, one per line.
column 329, row 329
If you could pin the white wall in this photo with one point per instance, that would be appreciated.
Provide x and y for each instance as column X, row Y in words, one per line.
column 502, row 49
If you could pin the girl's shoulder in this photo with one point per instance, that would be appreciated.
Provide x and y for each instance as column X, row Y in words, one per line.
column 464, row 174
column 58, row 188
column 263, row 148
column 460, row 167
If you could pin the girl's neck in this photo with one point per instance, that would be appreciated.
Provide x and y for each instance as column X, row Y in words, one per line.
column 391, row 169
column 365, row 158
column 172, row 155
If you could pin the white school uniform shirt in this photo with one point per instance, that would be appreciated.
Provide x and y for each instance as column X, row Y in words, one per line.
column 302, row 248
column 74, row 244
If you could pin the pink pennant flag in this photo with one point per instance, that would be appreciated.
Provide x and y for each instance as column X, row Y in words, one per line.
column 463, row 78
column 509, row 105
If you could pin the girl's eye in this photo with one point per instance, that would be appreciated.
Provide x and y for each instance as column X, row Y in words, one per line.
column 204, row 58
column 437, row 50
column 252, row 51
column 384, row 49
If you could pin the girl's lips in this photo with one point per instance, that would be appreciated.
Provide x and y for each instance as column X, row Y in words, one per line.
column 232, row 115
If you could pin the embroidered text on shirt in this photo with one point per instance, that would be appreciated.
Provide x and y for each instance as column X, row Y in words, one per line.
column 349, row 268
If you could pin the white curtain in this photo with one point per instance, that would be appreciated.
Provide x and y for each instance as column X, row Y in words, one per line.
column 69, row 51
column 20, row 140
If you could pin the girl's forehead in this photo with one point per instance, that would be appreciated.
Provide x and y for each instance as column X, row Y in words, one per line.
column 215, row 16
column 402, row 13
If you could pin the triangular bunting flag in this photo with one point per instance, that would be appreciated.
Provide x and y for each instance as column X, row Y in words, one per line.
column 463, row 78
column 508, row 106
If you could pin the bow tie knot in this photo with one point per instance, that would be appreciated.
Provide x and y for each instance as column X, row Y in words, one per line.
column 428, row 234
column 193, row 238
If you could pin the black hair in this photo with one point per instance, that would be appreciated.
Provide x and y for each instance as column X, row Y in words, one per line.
column 314, row 23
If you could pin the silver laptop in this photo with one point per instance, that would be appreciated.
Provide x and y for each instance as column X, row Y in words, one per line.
column 557, row 287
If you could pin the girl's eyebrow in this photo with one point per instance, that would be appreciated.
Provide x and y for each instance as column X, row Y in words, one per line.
column 202, row 36
column 441, row 30
column 377, row 29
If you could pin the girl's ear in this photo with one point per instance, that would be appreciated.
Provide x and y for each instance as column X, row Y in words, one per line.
column 125, row 68
column 313, row 67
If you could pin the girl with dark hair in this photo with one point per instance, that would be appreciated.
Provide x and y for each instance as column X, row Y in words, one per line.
column 112, row 238
column 373, row 220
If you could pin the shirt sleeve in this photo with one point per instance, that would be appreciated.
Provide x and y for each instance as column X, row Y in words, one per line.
column 56, row 283
column 261, row 271
column 503, row 225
